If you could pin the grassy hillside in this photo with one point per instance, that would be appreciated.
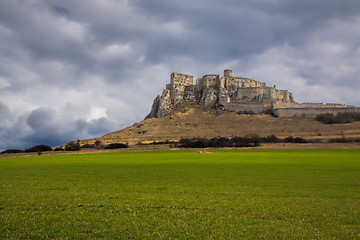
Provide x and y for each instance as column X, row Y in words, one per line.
column 292, row 194
column 188, row 120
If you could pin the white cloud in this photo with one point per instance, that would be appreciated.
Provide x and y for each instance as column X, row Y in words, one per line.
column 70, row 30
column 4, row 82
column 97, row 112
column 113, row 51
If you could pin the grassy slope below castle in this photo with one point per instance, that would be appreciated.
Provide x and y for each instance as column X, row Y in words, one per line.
column 297, row 194
column 189, row 120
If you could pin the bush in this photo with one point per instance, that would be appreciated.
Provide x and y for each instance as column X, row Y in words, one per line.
column 270, row 139
column 344, row 117
column 116, row 146
column 73, row 146
column 245, row 142
column 217, row 142
column 39, row 148
column 97, row 144
column 58, row 149
column 193, row 143
column 300, row 140
column 291, row 139
column 12, row 151
column 343, row 140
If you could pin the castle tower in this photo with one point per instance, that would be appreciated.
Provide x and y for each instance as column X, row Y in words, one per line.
column 227, row 73
column 178, row 79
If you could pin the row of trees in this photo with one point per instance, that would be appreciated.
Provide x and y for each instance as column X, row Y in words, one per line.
column 37, row 148
column 71, row 146
column 218, row 142
column 75, row 146
column 252, row 140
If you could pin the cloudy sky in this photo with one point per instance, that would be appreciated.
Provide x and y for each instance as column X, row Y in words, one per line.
column 75, row 69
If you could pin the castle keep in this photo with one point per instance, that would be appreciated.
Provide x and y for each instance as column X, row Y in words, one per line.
column 237, row 94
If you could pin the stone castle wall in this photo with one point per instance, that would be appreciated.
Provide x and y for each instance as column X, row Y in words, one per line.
column 178, row 79
column 236, row 94
column 311, row 112
column 284, row 104
column 247, row 107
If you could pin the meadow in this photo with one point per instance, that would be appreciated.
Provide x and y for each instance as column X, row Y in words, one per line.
column 223, row 194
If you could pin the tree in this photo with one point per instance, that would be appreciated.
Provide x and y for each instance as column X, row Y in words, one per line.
column 73, row 146
column 39, row 148
column 97, row 144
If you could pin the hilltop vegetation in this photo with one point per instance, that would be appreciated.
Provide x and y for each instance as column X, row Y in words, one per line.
column 345, row 117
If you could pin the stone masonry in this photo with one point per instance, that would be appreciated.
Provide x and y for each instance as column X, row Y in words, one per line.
column 237, row 94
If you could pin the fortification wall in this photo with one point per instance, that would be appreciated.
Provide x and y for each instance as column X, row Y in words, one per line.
column 255, row 107
column 282, row 104
column 311, row 112
column 259, row 93
column 239, row 82
column 249, row 94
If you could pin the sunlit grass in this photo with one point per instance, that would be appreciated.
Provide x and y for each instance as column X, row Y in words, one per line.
column 246, row 194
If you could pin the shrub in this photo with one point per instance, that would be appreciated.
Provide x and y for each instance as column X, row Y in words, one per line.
column 245, row 142
column 271, row 139
column 291, row 139
column 300, row 140
column 194, row 143
column 39, row 148
column 116, row 146
column 58, row 149
column 220, row 142
column 344, row 117
column 73, row 146
column 12, row 151
column 343, row 140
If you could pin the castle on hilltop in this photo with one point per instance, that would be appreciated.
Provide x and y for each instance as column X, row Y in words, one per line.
column 237, row 94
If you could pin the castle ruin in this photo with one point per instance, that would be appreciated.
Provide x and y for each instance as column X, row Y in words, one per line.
column 237, row 94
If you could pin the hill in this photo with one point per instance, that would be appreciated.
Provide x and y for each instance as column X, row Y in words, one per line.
column 191, row 120
column 230, row 106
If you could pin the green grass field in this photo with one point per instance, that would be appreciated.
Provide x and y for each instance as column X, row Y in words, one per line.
column 244, row 194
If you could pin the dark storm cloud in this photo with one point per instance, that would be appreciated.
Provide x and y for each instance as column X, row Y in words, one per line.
column 41, row 118
column 49, row 126
column 79, row 69
column 236, row 28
